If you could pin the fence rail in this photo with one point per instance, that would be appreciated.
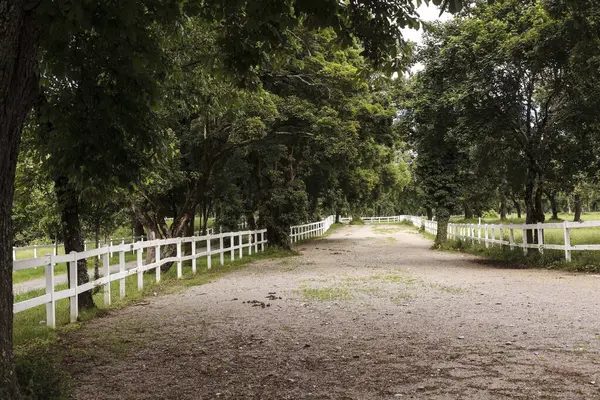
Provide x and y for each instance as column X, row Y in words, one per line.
column 238, row 241
column 314, row 229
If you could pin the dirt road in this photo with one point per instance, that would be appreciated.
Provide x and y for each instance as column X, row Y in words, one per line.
column 368, row 313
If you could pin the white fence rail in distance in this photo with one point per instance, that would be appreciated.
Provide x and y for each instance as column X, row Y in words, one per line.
column 311, row 230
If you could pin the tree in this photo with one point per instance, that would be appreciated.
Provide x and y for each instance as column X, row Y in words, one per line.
column 252, row 31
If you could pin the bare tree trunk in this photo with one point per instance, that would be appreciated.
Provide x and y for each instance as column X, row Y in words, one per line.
column 68, row 203
column 533, row 205
column 502, row 207
column 337, row 216
column 443, row 218
column 553, row 205
column 577, row 202
column 97, row 259
column 429, row 211
column 468, row 211
column 18, row 90
column 517, row 207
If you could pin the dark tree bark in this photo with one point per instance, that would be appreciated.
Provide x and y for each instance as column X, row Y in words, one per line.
column 577, row 203
column 553, row 205
column 533, row 204
column 18, row 90
column 468, row 211
column 250, row 220
column 68, row 203
column 429, row 211
column 502, row 206
column 517, row 207
column 138, row 228
column 337, row 217
column 443, row 218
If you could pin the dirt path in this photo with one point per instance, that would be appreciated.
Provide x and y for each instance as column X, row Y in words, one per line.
column 368, row 313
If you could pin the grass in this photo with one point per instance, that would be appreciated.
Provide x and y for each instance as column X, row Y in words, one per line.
column 324, row 293
column 512, row 218
column 388, row 229
column 37, row 357
column 35, row 273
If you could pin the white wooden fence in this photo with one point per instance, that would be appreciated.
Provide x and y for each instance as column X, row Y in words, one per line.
column 314, row 229
column 253, row 241
column 504, row 235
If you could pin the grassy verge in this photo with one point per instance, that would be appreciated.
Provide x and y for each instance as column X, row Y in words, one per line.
column 38, row 353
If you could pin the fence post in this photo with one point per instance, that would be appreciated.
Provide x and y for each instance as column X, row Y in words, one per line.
column 240, row 240
column 567, row 241
column 479, row 232
column 511, row 236
column 250, row 244
column 525, row 241
column 111, row 243
column 15, row 254
column 74, row 306
column 208, row 255
column 121, row 270
column 193, row 254
column 179, row 266
column 106, row 273
column 232, row 245
column 140, row 274
column 540, row 234
column 221, row 249
column 262, row 241
column 157, row 256
column 493, row 235
column 51, row 306
column 34, row 251
column 255, row 242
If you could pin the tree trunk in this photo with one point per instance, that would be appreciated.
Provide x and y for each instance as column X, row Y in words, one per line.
column 18, row 90
column 443, row 218
column 577, row 202
column 337, row 216
column 138, row 229
column 502, row 207
column 68, row 204
column 468, row 212
column 250, row 220
column 429, row 211
column 97, row 259
column 517, row 208
column 553, row 205
column 533, row 206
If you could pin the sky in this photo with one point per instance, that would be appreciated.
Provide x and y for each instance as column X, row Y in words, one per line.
column 427, row 13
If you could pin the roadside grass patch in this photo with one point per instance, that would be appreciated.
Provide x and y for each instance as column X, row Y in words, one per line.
column 386, row 230
column 448, row 289
column 324, row 293
column 357, row 221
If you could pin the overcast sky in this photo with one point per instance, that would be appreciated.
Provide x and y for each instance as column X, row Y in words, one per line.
column 430, row 13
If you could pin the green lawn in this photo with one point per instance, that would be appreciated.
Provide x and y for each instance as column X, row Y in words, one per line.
column 34, row 273
column 512, row 218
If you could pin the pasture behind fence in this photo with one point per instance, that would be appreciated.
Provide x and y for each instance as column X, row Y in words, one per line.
column 252, row 241
column 505, row 235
